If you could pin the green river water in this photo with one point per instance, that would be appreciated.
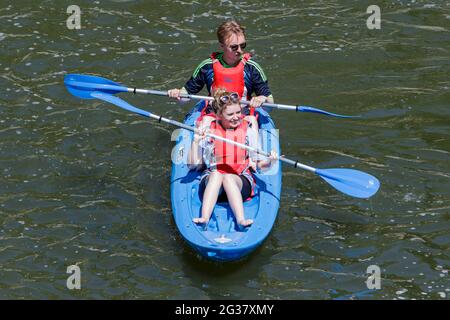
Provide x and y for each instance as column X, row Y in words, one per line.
column 86, row 183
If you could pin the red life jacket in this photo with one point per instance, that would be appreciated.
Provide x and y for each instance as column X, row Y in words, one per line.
column 230, row 79
column 230, row 158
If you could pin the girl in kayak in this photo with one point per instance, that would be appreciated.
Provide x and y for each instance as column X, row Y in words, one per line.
column 228, row 175
column 231, row 69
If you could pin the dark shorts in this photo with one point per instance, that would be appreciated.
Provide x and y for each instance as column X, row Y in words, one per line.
column 246, row 190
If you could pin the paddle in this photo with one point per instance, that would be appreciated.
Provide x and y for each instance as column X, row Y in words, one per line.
column 90, row 83
column 351, row 182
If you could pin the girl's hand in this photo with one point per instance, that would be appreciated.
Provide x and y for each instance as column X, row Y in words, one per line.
column 273, row 156
column 200, row 134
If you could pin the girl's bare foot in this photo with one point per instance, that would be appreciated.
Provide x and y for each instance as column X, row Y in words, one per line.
column 245, row 222
column 199, row 220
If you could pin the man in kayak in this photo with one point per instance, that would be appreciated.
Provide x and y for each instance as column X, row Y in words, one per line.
column 228, row 175
column 231, row 69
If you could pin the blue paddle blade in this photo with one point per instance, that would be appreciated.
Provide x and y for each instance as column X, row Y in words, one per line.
column 352, row 182
column 119, row 102
column 315, row 110
column 81, row 85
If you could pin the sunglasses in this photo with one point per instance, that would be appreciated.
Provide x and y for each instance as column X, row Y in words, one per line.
column 235, row 47
column 232, row 98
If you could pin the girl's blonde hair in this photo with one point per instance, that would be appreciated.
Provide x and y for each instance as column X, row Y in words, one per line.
column 217, row 105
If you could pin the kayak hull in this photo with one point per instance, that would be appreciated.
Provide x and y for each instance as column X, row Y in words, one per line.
column 222, row 239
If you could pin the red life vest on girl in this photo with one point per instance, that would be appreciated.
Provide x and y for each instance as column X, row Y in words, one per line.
column 231, row 158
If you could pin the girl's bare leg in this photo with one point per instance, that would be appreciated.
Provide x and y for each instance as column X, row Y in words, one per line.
column 233, row 186
column 213, row 185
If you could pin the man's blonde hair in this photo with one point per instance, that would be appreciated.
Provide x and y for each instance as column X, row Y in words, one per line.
column 227, row 29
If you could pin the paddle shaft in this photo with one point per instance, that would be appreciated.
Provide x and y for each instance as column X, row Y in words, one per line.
column 109, row 87
column 332, row 178
column 249, row 148
column 196, row 97
column 245, row 102
column 93, row 83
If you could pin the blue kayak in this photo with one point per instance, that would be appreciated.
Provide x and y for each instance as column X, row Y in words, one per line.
column 222, row 239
